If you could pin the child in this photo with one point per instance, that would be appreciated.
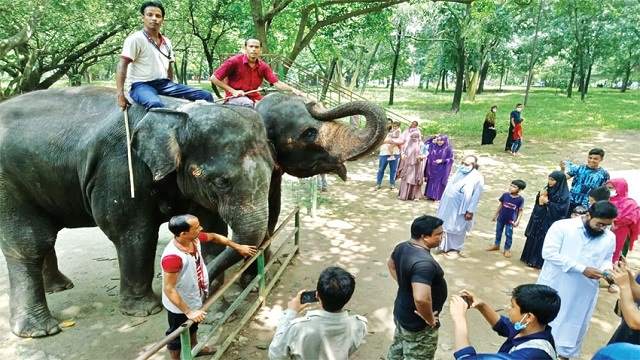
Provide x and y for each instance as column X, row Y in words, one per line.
column 508, row 215
column 599, row 193
column 528, row 335
column 517, row 137
column 393, row 137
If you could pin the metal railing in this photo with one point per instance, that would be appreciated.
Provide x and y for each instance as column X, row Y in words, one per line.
column 186, row 353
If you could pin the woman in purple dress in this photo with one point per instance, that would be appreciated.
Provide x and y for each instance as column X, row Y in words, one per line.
column 438, row 167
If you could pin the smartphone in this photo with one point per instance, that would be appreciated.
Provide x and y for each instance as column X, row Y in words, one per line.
column 308, row 297
column 468, row 299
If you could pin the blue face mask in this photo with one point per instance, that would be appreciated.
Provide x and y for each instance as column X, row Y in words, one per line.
column 518, row 326
column 465, row 169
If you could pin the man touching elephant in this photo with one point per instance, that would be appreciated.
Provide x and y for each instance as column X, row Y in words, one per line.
column 184, row 277
column 145, row 68
column 245, row 73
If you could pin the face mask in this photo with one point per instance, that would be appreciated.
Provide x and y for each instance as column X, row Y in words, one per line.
column 613, row 192
column 590, row 231
column 465, row 169
column 518, row 326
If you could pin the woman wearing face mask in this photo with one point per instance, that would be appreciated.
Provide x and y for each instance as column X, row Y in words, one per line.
column 489, row 126
column 438, row 166
column 626, row 226
column 552, row 204
column 527, row 331
column 459, row 203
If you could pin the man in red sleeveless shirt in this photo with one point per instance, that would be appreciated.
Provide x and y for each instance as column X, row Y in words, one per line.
column 185, row 280
column 244, row 73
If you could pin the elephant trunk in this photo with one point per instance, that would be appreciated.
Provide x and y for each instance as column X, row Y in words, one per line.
column 344, row 142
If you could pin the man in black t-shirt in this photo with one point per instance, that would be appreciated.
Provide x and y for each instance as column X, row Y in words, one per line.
column 422, row 291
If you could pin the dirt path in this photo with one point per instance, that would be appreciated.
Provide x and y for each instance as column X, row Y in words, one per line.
column 356, row 228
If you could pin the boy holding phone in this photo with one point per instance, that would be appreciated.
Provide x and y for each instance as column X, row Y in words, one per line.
column 326, row 333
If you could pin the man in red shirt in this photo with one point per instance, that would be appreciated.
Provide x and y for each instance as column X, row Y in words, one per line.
column 244, row 73
column 185, row 281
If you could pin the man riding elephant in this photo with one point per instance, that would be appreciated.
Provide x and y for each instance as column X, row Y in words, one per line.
column 145, row 68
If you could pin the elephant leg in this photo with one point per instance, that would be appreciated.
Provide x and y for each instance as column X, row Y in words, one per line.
column 136, row 255
column 26, row 237
column 54, row 280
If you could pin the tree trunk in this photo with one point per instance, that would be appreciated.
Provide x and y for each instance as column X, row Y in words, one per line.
column 367, row 72
column 571, row 80
column 534, row 54
column 395, row 64
column 457, row 94
column 627, row 75
column 427, row 83
column 329, row 76
column 501, row 77
column 473, row 85
column 586, row 83
column 441, row 81
column 483, row 77
column 353, row 82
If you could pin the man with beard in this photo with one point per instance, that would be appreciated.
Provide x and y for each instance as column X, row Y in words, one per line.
column 576, row 254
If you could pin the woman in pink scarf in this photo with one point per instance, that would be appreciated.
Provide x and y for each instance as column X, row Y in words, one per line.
column 411, row 170
column 627, row 225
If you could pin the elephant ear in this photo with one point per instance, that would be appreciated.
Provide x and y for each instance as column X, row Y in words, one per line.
column 155, row 140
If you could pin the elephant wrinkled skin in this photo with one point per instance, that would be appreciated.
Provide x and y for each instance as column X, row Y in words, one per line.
column 63, row 163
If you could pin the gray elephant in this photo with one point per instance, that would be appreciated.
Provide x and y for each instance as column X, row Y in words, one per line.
column 307, row 140
column 63, row 163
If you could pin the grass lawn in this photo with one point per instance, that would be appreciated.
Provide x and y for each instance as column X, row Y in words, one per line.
column 548, row 116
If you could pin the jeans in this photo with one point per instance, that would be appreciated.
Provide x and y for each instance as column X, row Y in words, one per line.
column 321, row 180
column 146, row 93
column 508, row 234
column 382, row 165
column 515, row 146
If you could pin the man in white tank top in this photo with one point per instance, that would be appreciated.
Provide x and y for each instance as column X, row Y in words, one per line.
column 185, row 280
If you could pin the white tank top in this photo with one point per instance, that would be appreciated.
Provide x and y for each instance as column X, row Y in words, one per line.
column 187, row 283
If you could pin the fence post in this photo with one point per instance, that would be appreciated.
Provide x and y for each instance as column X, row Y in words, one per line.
column 296, row 236
column 261, row 274
column 185, row 345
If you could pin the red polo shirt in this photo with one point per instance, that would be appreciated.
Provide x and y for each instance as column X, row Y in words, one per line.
column 241, row 76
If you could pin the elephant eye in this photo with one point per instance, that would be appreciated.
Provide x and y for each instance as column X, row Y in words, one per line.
column 309, row 135
column 222, row 183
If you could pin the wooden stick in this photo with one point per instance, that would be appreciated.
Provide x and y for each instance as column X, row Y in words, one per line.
column 232, row 96
column 126, row 128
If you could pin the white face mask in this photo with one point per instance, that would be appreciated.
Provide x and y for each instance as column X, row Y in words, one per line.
column 612, row 192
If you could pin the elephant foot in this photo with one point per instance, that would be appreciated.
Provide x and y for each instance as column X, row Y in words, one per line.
column 33, row 326
column 57, row 283
column 140, row 305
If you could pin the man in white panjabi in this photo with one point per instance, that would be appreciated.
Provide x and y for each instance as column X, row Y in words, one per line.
column 459, row 203
column 576, row 253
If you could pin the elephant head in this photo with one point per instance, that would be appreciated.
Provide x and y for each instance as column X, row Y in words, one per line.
column 308, row 140
column 221, row 158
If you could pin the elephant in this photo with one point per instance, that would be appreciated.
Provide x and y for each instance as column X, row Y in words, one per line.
column 63, row 164
column 302, row 139
column 307, row 140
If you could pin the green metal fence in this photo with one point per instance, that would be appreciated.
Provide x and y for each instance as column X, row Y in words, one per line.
column 260, row 281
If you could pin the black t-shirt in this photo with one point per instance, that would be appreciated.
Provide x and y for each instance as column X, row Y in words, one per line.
column 415, row 264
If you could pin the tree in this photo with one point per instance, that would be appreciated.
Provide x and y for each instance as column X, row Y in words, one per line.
column 63, row 42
